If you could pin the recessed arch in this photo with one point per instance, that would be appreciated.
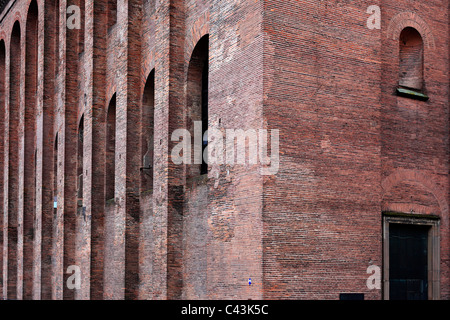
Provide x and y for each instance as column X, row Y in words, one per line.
column 410, row 19
column 29, row 174
column 419, row 178
column 148, row 132
column 194, row 219
column 199, row 29
column 110, row 154
column 197, row 103
column 15, row 62
column 411, row 59
column 55, row 176
column 80, row 157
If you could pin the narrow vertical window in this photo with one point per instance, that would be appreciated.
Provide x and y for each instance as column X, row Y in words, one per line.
column 197, row 104
column 205, row 81
column 148, row 114
column 194, row 221
column 55, row 176
column 80, row 151
column 13, row 169
column 110, row 150
column 411, row 60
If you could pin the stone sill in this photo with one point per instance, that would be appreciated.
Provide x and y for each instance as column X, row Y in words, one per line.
column 412, row 94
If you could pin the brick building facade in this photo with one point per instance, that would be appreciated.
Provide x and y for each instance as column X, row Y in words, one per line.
column 88, row 115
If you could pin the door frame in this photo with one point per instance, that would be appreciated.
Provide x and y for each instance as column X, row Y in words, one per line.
column 433, row 222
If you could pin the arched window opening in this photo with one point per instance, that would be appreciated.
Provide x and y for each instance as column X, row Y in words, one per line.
column 29, row 170
column 55, row 175
column 13, row 170
column 80, row 151
column 148, row 115
column 205, row 81
column 411, row 60
column 197, row 103
column 110, row 167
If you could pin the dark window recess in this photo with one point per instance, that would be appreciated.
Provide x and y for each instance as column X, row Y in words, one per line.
column 411, row 76
column 205, row 79
column 148, row 133
column 197, row 106
column 110, row 164
column 351, row 296
column 80, row 158
column 55, row 176
column 408, row 262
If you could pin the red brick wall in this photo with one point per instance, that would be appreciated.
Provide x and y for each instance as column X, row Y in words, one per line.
column 322, row 217
column 235, row 251
column 347, row 135
column 349, row 148
column 2, row 157
column 414, row 134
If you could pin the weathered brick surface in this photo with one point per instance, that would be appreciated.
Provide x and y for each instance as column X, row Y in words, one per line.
column 2, row 157
column 350, row 148
column 347, row 137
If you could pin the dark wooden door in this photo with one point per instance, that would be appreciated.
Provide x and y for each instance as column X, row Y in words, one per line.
column 408, row 262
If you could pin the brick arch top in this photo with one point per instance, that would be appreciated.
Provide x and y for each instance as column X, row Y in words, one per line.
column 21, row 31
column 403, row 175
column 111, row 90
column 17, row 18
column 3, row 37
column 80, row 120
column 147, row 68
column 110, row 99
column 410, row 19
column 199, row 29
column 38, row 3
